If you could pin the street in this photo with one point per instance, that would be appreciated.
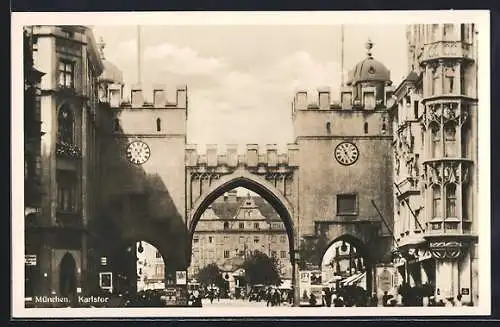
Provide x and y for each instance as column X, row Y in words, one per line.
column 234, row 303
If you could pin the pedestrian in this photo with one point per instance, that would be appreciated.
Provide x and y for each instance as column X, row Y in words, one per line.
column 328, row 297
column 458, row 302
column 385, row 299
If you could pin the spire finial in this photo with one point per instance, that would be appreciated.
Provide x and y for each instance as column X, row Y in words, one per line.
column 101, row 45
column 369, row 45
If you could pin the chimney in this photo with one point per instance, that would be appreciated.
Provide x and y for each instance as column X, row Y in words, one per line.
column 272, row 155
column 159, row 96
column 324, row 98
column 252, row 155
column 232, row 155
column 137, row 97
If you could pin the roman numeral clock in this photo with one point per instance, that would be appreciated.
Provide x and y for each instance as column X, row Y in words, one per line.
column 346, row 153
column 138, row 152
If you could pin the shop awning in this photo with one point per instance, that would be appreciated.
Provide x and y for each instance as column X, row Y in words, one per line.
column 353, row 279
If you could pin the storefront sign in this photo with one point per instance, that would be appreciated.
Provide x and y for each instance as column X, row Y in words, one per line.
column 106, row 281
column 30, row 259
column 181, row 277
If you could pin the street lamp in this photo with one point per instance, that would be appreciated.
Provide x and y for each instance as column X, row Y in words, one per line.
column 140, row 248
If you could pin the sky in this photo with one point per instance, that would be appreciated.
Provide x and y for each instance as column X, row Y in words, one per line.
column 241, row 78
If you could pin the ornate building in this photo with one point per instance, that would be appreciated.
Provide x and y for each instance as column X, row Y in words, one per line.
column 57, row 235
column 232, row 228
column 435, row 161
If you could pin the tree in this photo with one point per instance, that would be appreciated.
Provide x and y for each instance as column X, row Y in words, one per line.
column 210, row 275
column 311, row 252
column 261, row 269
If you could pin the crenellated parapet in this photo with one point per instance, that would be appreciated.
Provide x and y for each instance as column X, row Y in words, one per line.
column 365, row 96
column 138, row 97
column 254, row 158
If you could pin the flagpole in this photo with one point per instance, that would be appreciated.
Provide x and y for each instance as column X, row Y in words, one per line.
column 139, row 55
column 342, row 55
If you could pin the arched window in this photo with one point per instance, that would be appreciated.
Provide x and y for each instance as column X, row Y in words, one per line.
column 436, row 141
column 450, row 140
column 436, row 201
column 451, row 200
column 158, row 125
column 366, row 128
column 65, row 123
column 226, row 225
column 328, row 127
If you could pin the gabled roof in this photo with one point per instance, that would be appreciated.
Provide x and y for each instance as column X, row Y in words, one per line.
column 227, row 210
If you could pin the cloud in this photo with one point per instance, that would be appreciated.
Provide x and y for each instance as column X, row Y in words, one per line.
column 182, row 61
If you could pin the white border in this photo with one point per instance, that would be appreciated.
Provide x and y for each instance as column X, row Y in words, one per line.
column 481, row 18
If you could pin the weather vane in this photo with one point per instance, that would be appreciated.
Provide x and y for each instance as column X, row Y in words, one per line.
column 369, row 46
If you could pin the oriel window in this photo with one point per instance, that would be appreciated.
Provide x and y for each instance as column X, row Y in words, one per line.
column 66, row 73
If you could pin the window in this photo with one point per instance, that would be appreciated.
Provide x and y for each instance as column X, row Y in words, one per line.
column 436, row 141
column 436, row 79
column 210, row 239
column 158, row 254
column 450, row 144
column 242, row 225
column 158, row 125
column 242, row 239
column 451, row 200
column 226, row 253
column 282, row 238
column 346, row 204
column 283, row 254
column 256, row 239
column 436, row 201
column 196, row 240
column 242, row 252
column 369, row 100
column 450, row 78
column 366, row 128
column 415, row 109
column 256, row 225
column 328, row 127
column 226, row 225
column 66, row 191
column 66, row 70
column 65, row 122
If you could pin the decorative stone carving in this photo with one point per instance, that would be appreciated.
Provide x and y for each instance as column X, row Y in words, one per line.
column 446, row 250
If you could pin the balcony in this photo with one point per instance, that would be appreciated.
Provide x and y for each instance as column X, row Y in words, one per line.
column 67, row 150
column 66, row 219
column 446, row 49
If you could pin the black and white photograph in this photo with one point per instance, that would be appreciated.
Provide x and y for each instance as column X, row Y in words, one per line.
column 244, row 164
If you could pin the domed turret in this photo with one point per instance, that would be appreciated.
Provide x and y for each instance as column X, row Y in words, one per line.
column 111, row 74
column 369, row 70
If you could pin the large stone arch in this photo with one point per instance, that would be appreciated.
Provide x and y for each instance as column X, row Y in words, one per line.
column 241, row 178
column 364, row 251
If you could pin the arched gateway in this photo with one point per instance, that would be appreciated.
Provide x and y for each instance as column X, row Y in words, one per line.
column 336, row 179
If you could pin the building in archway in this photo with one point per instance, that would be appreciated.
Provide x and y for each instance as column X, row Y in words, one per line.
column 435, row 153
column 58, row 238
column 236, row 226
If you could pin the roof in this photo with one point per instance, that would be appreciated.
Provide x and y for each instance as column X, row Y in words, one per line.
column 369, row 70
column 111, row 73
column 227, row 210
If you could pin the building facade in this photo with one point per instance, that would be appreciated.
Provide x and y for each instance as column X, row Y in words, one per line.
column 234, row 227
column 57, row 235
column 434, row 118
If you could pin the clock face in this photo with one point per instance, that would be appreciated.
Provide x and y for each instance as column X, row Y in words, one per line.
column 138, row 152
column 346, row 153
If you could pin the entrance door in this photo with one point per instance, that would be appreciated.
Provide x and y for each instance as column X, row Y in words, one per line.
column 67, row 276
